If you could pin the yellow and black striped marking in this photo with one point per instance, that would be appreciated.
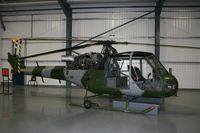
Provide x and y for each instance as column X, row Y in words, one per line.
column 18, row 44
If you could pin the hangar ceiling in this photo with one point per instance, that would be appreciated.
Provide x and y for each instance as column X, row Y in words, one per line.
column 13, row 5
column 99, row 1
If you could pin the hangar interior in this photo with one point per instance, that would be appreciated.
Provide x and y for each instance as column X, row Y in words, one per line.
column 43, row 108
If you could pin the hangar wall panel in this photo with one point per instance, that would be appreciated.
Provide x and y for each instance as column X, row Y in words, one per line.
column 17, row 29
column 186, row 73
column 39, row 47
column 89, row 23
column 180, row 54
column 6, row 47
column 51, row 26
column 35, row 26
column 16, row 26
column 180, row 27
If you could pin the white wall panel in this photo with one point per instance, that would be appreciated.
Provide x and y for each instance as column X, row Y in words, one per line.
column 187, row 74
column 56, row 17
column 182, row 28
column 49, row 29
column 178, row 29
column 41, row 26
column 17, row 18
column 194, row 42
column 17, row 29
column 6, row 47
column 40, row 47
column 47, row 26
column 87, row 25
column 88, row 28
column 180, row 54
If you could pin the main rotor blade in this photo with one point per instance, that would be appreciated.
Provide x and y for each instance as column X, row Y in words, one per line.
column 126, row 43
column 161, row 45
column 56, row 39
column 82, row 46
column 61, row 50
column 78, row 47
column 115, row 27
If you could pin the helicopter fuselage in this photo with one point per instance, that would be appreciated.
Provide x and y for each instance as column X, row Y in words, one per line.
column 119, row 77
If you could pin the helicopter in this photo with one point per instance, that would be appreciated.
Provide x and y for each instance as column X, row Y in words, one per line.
column 128, row 74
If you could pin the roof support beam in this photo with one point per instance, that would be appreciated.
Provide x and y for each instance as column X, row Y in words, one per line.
column 2, row 22
column 65, row 7
column 158, row 9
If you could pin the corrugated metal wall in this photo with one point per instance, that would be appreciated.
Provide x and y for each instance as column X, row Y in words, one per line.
column 47, row 26
column 16, row 26
column 88, row 23
column 35, row 26
column 178, row 27
column 181, row 27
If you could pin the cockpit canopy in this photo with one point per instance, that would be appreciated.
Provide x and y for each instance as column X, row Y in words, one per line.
column 143, row 65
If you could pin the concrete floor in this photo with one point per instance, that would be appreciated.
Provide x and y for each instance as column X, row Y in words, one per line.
column 46, row 110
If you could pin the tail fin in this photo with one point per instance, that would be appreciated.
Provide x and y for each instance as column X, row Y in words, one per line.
column 15, row 63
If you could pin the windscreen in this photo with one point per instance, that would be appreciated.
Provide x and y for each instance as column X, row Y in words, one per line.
column 158, row 68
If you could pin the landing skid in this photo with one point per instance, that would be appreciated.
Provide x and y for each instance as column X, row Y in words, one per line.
column 120, row 105
column 107, row 108
column 88, row 104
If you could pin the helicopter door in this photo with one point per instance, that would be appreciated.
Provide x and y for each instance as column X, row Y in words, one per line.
column 133, row 89
column 114, row 78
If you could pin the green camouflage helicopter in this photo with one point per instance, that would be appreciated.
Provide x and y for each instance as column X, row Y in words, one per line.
column 128, row 74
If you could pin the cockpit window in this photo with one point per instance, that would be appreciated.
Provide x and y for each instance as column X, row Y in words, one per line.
column 157, row 67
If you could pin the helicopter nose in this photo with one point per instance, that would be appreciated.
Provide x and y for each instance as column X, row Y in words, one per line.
column 171, row 86
column 171, row 83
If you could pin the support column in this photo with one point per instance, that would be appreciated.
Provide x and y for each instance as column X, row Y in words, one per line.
column 68, row 36
column 1, row 32
column 68, row 13
column 69, row 30
column 158, row 10
column 2, row 23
